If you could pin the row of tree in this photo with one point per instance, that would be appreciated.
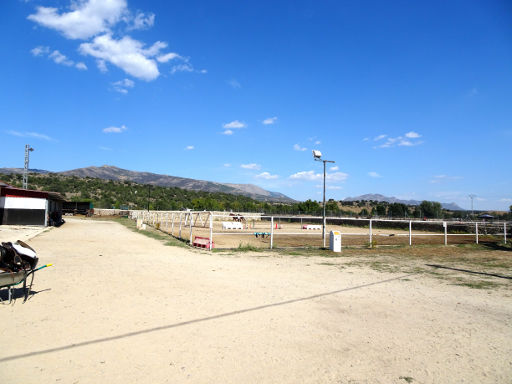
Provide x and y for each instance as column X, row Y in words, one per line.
column 129, row 195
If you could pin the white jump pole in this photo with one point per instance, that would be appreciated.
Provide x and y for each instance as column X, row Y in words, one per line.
column 476, row 232
column 505, row 233
column 410, row 232
column 445, row 225
column 211, row 231
column 172, row 223
column 181, row 214
column 271, row 232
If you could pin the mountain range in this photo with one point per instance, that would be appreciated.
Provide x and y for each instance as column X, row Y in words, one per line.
column 110, row 172
column 378, row 197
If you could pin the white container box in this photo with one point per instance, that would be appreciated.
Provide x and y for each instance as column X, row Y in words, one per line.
column 335, row 241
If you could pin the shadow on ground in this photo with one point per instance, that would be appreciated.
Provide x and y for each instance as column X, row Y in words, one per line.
column 200, row 320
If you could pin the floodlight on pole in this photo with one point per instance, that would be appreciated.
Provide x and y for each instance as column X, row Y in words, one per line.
column 317, row 156
column 28, row 149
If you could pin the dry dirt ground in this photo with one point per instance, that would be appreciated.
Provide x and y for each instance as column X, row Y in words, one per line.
column 120, row 307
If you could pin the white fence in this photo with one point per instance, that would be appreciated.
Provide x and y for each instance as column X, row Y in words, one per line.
column 229, row 230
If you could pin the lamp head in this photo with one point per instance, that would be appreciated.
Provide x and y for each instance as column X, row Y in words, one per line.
column 317, row 154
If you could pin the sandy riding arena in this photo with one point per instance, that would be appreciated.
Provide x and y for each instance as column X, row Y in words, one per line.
column 121, row 307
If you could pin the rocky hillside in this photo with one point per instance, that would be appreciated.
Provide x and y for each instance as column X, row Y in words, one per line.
column 378, row 197
column 108, row 172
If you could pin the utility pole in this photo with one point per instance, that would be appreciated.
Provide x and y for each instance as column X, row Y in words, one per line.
column 28, row 149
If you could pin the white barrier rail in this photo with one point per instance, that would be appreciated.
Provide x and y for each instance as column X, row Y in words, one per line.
column 184, row 224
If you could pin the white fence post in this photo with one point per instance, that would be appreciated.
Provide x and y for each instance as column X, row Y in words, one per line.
column 476, row 232
column 325, row 231
column 271, row 232
column 211, row 231
column 190, row 223
column 181, row 214
column 410, row 232
column 172, row 223
column 505, row 233
column 445, row 225
column 370, row 233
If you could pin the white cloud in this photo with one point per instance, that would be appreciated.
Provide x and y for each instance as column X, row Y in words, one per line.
column 374, row 174
column 125, row 53
column 234, row 125
column 270, row 120
column 182, row 68
column 189, row 147
column 228, row 132
column 334, row 168
column 168, row 57
column 297, row 147
column 102, row 66
column 34, row 135
column 104, row 148
column 122, row 86
column 506, row 200
column 86, row 18
column 366, row 139
column 234, row 84
column 312, row 176
column 96, row 19
column 227, row 165
column 318, row 142
column 253, row 166
column 40, row 50
column 409, row 139
column 333, row 187
column 266, row 176
column 59, row 58
column 444, row 178
column 412, row 135
column 120, row 129
column 140, row 21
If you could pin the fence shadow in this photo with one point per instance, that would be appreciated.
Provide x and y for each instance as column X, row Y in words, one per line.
column 195, row 321
column 469, row 271
column 496, row 246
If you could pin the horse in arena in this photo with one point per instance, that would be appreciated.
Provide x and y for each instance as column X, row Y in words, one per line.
column 237, row 217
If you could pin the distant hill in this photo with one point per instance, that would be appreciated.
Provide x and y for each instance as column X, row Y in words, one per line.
column 109, row 172
column 378, row 197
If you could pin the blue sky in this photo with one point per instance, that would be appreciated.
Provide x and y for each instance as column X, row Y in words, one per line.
column 411, row 99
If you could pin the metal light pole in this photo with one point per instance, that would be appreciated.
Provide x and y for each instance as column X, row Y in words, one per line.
column 28, row 149
column 472, row 196
column 317, row 155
